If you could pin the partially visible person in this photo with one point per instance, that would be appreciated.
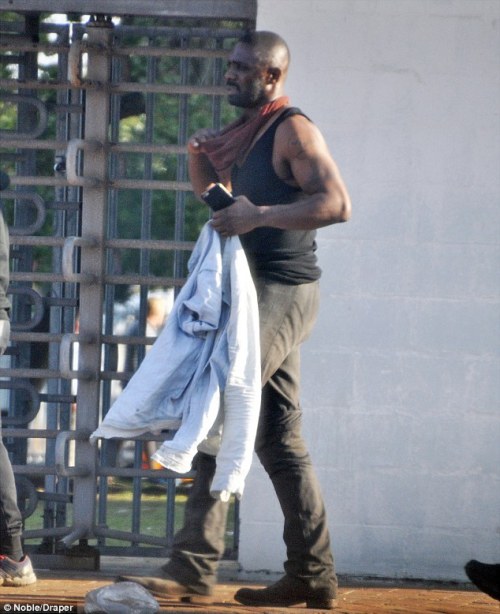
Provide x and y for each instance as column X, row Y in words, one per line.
column 15, row 566
column 485, row 576
column 155, row 321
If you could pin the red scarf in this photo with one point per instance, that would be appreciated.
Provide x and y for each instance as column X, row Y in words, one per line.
column 234, row 140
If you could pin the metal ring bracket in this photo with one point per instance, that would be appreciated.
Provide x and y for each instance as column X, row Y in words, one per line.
column 61, row 453
column 68, row 261
column 39, row 129
column 27, row 491
column 72, row 176
column 65, row 356
column 34, row 402
column 39, row 308
column 39, row 206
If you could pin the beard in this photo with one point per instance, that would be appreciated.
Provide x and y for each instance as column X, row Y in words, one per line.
column 249, row 97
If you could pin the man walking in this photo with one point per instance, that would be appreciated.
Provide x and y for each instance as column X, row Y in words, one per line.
column 286, row 184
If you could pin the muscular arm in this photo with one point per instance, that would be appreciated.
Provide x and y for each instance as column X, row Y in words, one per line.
column 201, row 172
column 300, row 158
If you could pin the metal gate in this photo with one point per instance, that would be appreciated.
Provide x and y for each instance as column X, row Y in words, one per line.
column 95, row 112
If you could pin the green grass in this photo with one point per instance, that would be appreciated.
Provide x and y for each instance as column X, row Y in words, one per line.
column 153, row 509
column 119, row 511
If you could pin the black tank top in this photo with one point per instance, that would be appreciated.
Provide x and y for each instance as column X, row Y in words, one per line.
column 287, row 256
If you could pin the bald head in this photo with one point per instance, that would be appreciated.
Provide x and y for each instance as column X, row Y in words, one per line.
column 269, row 49
column 256, row 70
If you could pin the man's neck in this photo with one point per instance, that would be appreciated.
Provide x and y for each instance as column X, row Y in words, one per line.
column 251, row 112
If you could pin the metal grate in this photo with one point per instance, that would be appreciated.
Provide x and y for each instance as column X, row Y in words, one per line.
column 94, row 118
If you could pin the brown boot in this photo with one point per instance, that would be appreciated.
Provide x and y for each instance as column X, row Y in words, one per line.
column 287, row 592
column 168, row 588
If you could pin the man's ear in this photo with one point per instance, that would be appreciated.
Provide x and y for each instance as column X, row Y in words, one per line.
column 273, row 75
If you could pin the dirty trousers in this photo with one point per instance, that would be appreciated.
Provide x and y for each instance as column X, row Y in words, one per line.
column 287, row 314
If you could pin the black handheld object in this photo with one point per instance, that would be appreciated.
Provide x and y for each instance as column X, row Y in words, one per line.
column 218, row 197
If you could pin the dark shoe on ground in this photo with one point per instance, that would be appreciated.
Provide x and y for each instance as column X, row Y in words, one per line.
column 162, row 585
column 287, row 592
column 14, row 573
column 485, row 576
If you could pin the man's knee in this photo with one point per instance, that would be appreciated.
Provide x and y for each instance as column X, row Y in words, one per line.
column 282, row 454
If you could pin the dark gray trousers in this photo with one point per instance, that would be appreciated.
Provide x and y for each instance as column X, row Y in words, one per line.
column 11, row 524
column 287, row 316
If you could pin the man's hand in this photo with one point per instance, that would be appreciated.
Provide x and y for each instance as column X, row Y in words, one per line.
column 198, row 138
column 4, row 335
column 237, row 219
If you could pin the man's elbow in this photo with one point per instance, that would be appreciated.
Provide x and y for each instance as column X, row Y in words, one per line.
column 345, row 210
column 340, row 211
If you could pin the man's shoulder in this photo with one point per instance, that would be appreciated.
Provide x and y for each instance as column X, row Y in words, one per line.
column 293, row 116
column 294, row 123
column 290, row 114
column 295, row 136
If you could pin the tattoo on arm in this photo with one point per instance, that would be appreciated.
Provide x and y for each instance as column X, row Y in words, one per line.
column 298, row 148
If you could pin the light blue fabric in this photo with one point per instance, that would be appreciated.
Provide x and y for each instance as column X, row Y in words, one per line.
column 202, row 375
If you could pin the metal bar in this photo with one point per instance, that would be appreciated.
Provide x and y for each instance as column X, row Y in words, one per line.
column 128, row 184
column 116, row 148
column 139, row 551
column 59, row 413
column 212, row 30
column 38, row 241
column 126, row 279
column 36, row 337
column 13, row 43
column 210, row 9
column 143, row 51
column 148, row 148
column 127, row 472
column 170, row 512
column 182, row 137
column 115, row 88
column 118, row 471
column 34, row 469
column 150, row 244
column 51, row 532
column 94, row 207
column 35, row 433
column 148, row 280
column 132, row 536
column 31, row 373
column 109, row 244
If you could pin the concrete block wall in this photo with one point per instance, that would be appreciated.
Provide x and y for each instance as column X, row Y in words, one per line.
column 401, row 386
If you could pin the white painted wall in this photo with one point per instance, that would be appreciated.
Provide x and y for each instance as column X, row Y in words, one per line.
column 401, row 378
